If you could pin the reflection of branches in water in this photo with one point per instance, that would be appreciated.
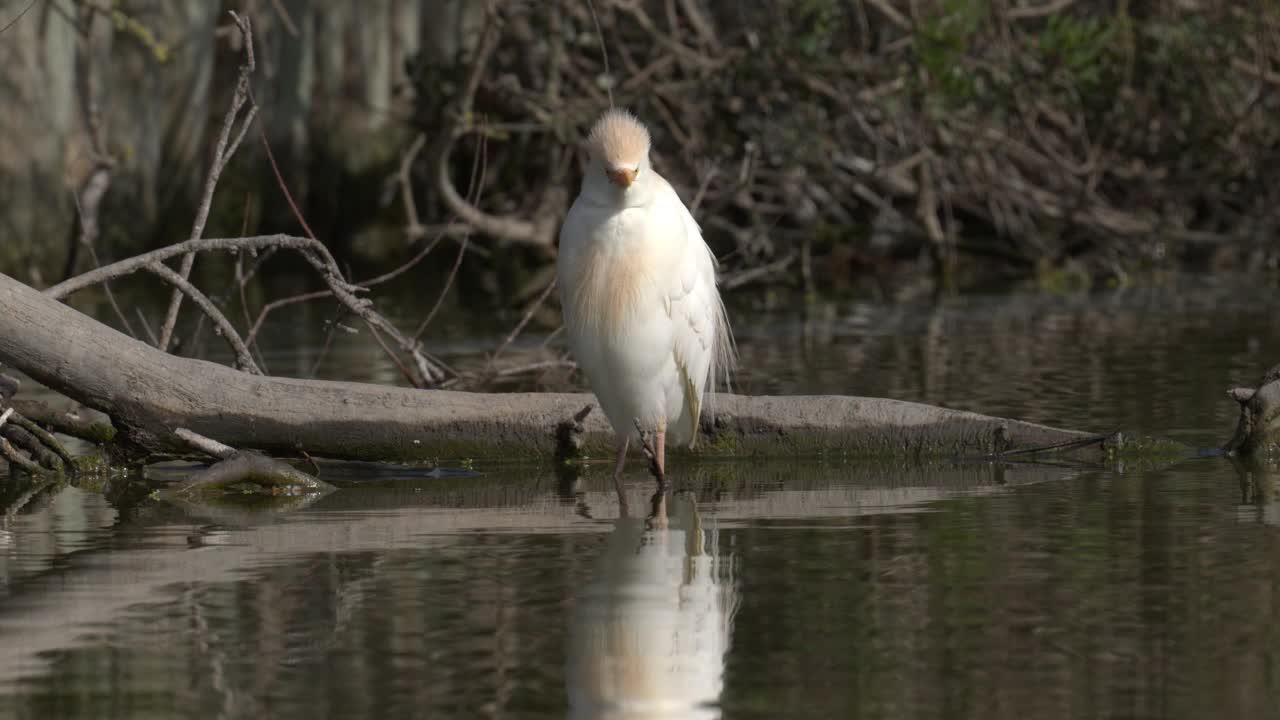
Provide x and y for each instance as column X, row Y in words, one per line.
column 38, row 488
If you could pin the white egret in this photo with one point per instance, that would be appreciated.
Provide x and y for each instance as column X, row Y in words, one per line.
column 638, row 288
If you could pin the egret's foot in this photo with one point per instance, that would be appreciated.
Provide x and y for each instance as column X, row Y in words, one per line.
column 657, row 519
column 618, row 465
column 654, row 449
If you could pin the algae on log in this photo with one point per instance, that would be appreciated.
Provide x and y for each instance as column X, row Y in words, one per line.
column 148, row 394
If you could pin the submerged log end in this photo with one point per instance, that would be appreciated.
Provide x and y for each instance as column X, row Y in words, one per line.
column 865, row 427
column 259, row 470
column 1258, row 426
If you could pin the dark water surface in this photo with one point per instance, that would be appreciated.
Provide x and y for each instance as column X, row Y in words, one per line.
column 788, row 589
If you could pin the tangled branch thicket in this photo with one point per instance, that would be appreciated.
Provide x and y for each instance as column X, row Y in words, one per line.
column 1104, row 136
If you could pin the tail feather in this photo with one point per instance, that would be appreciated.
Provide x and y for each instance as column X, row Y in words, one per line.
column 724, row 354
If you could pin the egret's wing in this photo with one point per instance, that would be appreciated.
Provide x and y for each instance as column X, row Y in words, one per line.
column 699, row 327
column 573, row 236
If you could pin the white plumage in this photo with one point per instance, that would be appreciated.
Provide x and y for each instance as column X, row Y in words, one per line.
column 638, row 287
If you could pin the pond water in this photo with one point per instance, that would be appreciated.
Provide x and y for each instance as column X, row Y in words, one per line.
column 777, row 589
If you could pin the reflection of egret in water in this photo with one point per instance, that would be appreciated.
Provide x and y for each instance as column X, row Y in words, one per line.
column 649, row 635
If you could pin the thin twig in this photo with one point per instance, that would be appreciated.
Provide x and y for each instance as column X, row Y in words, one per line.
column 604, row 51
column 551, row 336
column 146, row 325
column 385, row 277
column 533, row 308
column 4, row 417
column 124, row 267
column 479, row 169
column 702, row 189
column 238, row 282
column 394, row 358
column 14, row 21
column 276, row 305
column 453, row 273
column 430, row 372
column 221, row 156
column 228, row 331
column 88, row 243
column 533, row 367
column 324, row 349
column 468, row 379
column 285, row 18
column 280, row 183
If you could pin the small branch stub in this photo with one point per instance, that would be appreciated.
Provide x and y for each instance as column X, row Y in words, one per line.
column 1258, row 427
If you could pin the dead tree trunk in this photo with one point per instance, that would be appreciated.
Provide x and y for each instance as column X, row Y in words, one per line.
column 150, row 394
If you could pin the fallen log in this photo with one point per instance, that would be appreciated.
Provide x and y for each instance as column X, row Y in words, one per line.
column 149, row 394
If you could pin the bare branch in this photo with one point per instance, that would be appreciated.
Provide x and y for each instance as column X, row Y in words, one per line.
column 1028, row 12
column 405, row 176
column 244, row 359
column 276, row 305
column 541, row 231
column 137, row 262
column 20, row 15
column 315, row 253
column 12, row 455
column 448, row 283
column 221, row 155
column 67, row 422
column 208, row 446
column 45, row 437
column 515, row 332
column 891, row 13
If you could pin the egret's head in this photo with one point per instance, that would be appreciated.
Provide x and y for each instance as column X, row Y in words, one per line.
column 619, row 145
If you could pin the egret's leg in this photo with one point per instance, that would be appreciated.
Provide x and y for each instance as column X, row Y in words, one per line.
column 657, row 519
column 620, row 462
column 654, row 449
column 660, row 453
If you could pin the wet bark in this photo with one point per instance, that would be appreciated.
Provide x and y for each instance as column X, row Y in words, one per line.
column 1258, row 428
column 150, row 394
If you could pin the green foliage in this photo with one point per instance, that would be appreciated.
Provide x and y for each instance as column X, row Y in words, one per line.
column 816, row 25
column 1079, row 46
column 942, row 44
column 161, row 51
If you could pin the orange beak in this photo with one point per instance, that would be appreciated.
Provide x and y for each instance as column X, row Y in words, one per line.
column 621, row 177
